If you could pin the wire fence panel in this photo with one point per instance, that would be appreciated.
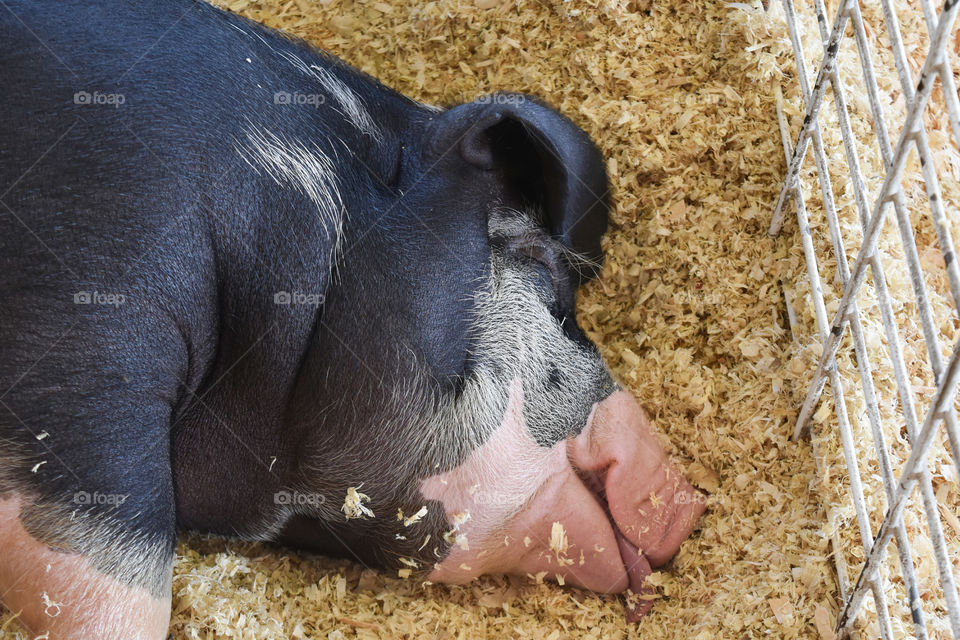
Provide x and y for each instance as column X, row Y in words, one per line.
column 873, row 177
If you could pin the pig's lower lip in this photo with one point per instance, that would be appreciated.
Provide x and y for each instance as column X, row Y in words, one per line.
column 636, row 566
column 638, row 569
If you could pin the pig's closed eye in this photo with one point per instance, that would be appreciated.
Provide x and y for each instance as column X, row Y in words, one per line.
column 545, row 258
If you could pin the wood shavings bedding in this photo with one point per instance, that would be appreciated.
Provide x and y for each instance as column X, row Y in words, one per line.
column 689, row 312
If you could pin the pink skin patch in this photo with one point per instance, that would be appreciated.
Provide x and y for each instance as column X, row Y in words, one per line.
column 62, row 595
column 596, row 511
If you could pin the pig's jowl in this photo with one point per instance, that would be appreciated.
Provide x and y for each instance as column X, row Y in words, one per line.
column 246, row 289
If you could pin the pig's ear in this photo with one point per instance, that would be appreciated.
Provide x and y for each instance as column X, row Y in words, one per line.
column 548, row 160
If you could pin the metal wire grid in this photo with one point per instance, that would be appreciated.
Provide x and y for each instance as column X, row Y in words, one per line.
column 914, row 471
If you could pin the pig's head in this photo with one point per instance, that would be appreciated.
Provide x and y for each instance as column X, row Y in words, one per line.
column 466, row 425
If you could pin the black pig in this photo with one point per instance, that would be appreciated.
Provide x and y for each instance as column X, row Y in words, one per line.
column 246, row 289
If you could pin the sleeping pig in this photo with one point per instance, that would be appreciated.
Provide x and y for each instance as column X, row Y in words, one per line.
column 246, row 289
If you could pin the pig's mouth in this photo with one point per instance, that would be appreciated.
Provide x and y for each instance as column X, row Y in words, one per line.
column 614, row 469
column 640, row 599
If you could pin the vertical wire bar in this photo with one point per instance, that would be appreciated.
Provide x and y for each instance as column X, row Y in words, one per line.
column 877, row 586
column 909, row 477
column 929, row 499
column 866, row 376
column 913, row 262
column 934, row 524
column 849, row 448
column 821, row 10
column 813, row 107
column 946, row 76
column 930, row 179
column 945, row 238
column 891, row 185
column 839, row 561
column 890, row 326
column 840, row 406
column 903, row 220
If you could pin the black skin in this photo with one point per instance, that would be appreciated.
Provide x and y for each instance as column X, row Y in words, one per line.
column 198, row 396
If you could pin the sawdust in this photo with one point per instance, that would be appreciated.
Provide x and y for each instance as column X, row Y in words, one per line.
column 353, row 506
column 689, row 312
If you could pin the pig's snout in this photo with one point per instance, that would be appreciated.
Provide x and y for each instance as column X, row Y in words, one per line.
column 648, row 498
column 651, row 506
column 598, row 510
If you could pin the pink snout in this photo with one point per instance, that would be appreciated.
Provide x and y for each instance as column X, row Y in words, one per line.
column 650, row 501
column 597, row 511
column 652, row 507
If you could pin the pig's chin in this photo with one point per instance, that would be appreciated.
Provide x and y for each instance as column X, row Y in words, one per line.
column 593, row 536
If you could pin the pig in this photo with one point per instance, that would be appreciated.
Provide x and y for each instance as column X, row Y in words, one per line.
column 248, row 290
